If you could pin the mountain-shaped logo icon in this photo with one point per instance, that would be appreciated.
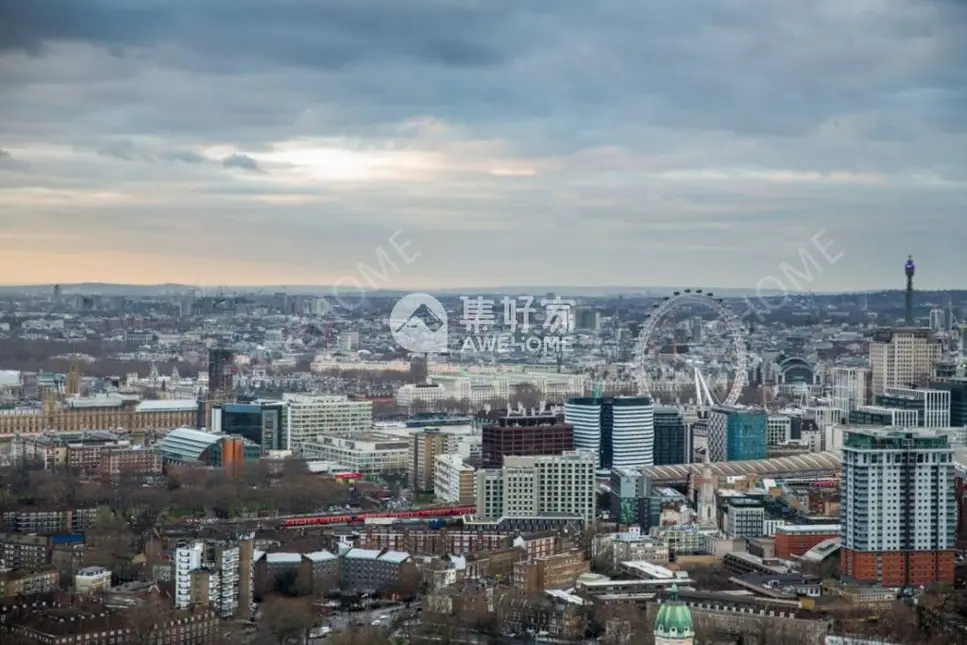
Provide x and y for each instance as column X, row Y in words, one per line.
column 422, row 316
column 418, row 323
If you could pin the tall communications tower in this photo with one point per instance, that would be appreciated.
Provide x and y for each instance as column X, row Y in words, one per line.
column 910, row 268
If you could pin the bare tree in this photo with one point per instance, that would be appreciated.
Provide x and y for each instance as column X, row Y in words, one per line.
column 285, row 619
column 143, row 620
column 623, row 625
column 366, row 635
column 526, row 394
column 108, row 540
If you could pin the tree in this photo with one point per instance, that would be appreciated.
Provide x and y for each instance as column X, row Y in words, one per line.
column 623, row 625
column 526, row 394
column 366, row 635
column 108, row 540
column 285, row 619
column 713, row 578
column 409, row 584
column 293, row 583
column 143, row 620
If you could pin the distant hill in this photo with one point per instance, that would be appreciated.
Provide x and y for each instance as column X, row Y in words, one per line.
column 172, row 289
column 106, row 289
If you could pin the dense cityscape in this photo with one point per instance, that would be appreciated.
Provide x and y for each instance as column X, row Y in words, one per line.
column 183, row 467
column 483, row 322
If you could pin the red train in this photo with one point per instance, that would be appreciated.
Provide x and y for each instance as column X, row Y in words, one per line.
column 826, row 483
column 426, row 513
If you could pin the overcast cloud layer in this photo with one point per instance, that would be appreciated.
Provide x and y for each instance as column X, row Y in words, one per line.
column 568, row 142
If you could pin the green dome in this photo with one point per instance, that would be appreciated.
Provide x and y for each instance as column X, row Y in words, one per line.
column 674, row 619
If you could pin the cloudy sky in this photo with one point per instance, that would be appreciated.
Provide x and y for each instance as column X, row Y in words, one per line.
column 508, row 142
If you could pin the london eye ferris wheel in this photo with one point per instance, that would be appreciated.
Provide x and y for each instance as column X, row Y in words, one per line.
column 648, row 367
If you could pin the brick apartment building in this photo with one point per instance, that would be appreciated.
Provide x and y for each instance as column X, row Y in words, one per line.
column 794, row 539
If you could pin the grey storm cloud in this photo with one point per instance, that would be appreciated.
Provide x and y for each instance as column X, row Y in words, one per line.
column 770, row 67
column 122, row 149
column 243, row 162
column 184, row 156
column 652, row 123
column 325, row 34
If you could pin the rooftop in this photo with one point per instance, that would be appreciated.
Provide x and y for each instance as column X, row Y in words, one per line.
column 283, row 558
column 809, row 528
column 780, row 465
column 396, row 557
column 362, row 554
column 169, row 405
column 186, row 444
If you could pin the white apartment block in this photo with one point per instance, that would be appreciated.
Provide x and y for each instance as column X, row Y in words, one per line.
column 825, row 415
column 898, row 491
column 348, row 341
column 778, row 429
column 813, row 439
column 454, row 482
column 851, row 387
column 902, row 357
column 489, row 487
column 219, row 565
column 361, row 452
column 188, row 558
column 310, row 416
column 539, row 486
column 92, row 579
column 936, row 405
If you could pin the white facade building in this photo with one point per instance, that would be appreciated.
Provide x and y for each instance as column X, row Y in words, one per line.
column 454, row 481
column 902, row 357
column 348, row 341
column 479, row 388
column 539, row 486
column 745, row 518
column 897, row 417
column 220, row 563
column 428, row 393
column 851, row 387
column 361, row 452
column 825, row 415
column 936, row 405
column 310, row 416
column 188, row 558
column 91, row 579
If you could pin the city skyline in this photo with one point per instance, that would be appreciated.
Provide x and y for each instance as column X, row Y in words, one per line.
column 510, row 144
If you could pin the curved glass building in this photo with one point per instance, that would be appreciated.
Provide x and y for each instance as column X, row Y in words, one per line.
column 619, row 430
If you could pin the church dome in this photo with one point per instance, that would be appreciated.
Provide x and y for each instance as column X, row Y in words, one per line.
column 674, row 620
